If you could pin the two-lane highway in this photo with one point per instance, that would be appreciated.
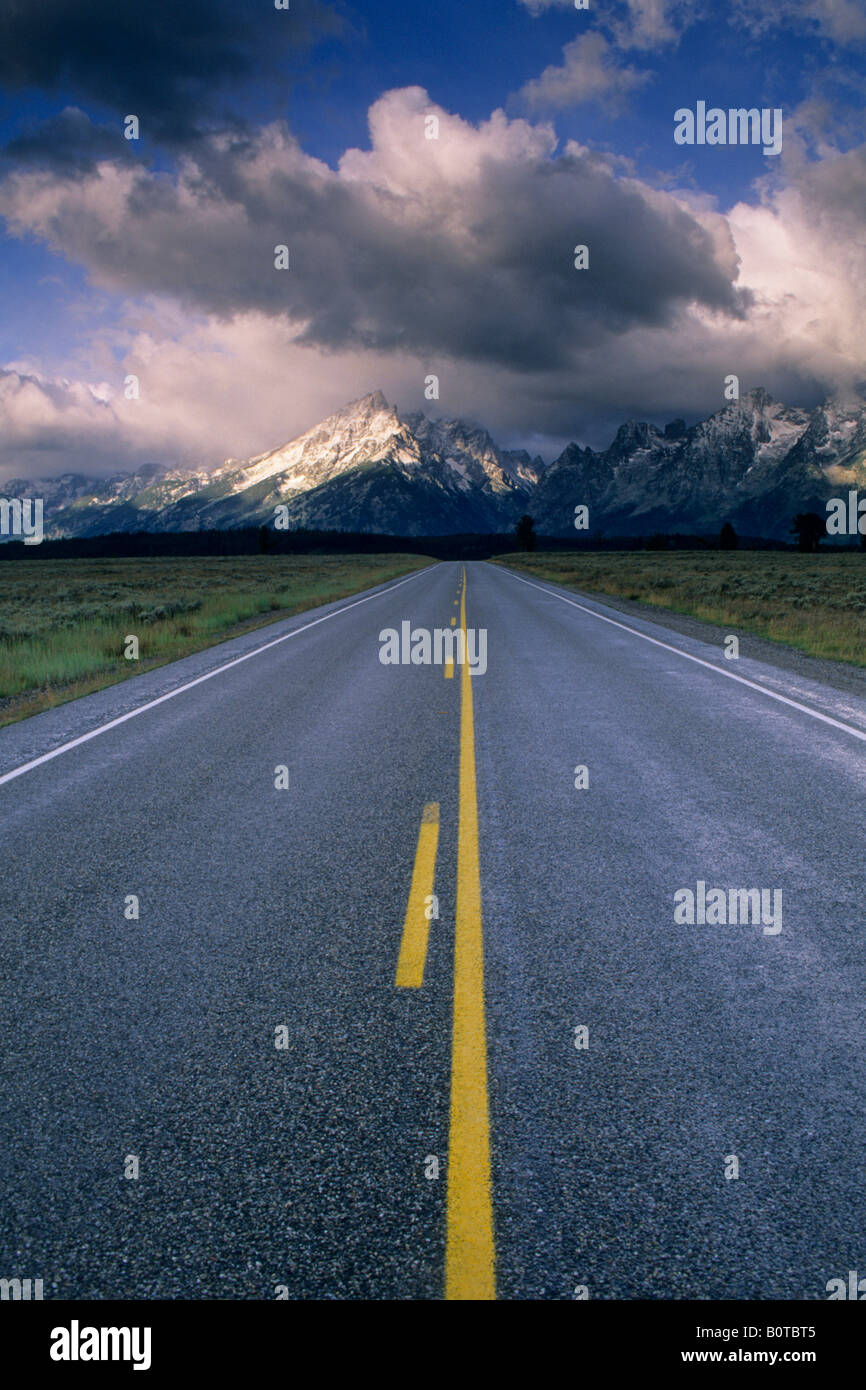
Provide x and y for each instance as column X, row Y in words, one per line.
column 308, row 1121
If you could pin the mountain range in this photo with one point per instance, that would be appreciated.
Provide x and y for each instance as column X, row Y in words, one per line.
column 371, row 468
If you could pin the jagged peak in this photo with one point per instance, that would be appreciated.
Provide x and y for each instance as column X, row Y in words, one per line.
column 366, row 405
column 635, row 432
column 760, row 396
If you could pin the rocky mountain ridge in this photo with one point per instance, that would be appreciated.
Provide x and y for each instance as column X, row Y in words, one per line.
column 369, row 467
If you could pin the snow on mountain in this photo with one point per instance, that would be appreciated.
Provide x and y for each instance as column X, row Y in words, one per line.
column 364, row 468
column 756, row 462
column 471, row 452
column 369, row 467
column 366, row 431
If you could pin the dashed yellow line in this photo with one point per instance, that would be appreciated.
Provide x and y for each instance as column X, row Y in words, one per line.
column 449, row 669
column 470, row 1251
column 416, row 927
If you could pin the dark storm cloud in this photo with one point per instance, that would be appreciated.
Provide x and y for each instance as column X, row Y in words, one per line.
column 464, row 250
column 68, row 143
column 174, row 63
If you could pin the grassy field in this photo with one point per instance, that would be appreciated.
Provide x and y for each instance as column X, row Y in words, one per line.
column 816, row 603
column 63, row 623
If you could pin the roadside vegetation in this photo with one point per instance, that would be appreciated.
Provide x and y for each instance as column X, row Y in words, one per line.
column 63, row 623
column 816, row 603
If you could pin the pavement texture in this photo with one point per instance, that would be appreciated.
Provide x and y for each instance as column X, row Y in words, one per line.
column 305, row 1166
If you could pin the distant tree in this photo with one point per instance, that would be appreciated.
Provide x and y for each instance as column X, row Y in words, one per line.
column 728, row 538
column 810, row 529
column 659, row 540
column 525, row 533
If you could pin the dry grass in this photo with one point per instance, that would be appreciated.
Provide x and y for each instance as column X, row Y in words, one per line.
column 816, row 603
column 63, row 622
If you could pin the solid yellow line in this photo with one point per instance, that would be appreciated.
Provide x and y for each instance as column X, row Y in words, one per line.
column 449, row 670
column 416, row 928
column 469, row 1252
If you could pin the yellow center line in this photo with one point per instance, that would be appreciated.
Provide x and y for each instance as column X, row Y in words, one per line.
column 470, row 1251
column 416, row 928
column 449, row 669
column 453, row 622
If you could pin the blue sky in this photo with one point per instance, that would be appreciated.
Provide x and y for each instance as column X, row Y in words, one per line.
column 473, row 57
column 151, row 256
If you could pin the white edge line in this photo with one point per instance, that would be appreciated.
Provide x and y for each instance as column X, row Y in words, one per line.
column 719, row 670
column 218, row 670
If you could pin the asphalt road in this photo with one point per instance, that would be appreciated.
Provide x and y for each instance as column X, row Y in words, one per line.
column 308, row 1167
